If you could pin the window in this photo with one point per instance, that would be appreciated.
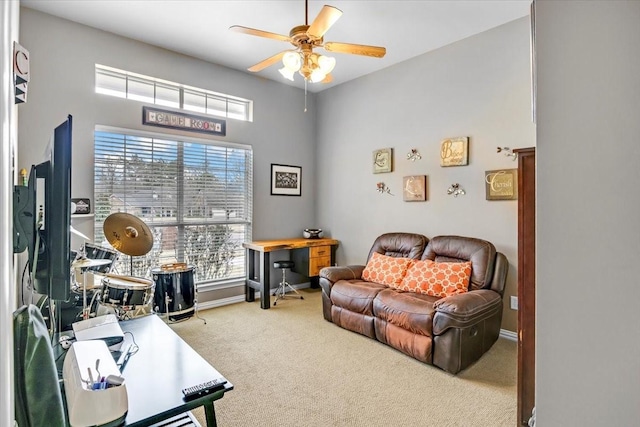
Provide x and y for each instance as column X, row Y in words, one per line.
column 124, row 84
column 195, row 196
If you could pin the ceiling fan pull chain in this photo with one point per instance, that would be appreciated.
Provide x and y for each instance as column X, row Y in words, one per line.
column 305, row 95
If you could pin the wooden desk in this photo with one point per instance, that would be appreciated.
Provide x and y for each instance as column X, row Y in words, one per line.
column 309, row 255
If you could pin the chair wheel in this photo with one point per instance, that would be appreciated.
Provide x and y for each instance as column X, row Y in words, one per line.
column 274, row 304
column 301, row 297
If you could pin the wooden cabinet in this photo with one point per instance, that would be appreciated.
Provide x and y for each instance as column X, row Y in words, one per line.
column 309, row 261
column 526, row 283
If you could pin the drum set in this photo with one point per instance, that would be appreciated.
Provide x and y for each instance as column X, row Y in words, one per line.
column 99, row 291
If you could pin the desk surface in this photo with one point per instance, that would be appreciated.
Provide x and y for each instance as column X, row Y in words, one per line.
column 162, row 367
column 284, row 244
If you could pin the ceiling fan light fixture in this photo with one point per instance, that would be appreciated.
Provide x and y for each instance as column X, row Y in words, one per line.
column 286, row 73
column 292, row 61
column 317, row 75
column 326, row 63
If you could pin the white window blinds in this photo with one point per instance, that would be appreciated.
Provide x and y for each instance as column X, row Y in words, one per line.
column 195, row 196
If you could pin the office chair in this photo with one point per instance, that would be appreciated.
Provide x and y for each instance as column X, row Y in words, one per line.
column 38, row 398
column 281, row 292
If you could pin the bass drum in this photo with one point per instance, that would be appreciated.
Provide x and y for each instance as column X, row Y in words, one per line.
column 175, row 291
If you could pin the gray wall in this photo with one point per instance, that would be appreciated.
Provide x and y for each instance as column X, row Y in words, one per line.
column 480, row 88
column 588, row 346
column 63, row 56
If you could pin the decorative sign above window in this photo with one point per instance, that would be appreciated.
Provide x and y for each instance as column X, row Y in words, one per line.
column 454, row 152
column 152, row 116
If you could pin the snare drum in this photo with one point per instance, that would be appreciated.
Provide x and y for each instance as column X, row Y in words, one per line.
column 98, row 252
column 175, row 291
column 126, row 292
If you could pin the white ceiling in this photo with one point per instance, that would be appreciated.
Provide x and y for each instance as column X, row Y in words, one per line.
column 201, row 28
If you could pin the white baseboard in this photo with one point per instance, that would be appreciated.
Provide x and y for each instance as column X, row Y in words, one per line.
column 240, row 298
column 510, row 335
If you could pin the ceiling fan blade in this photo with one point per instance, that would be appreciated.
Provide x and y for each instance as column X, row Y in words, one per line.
column 325, row 19
column 356, row 49
column 267, row 62
column 259, row 33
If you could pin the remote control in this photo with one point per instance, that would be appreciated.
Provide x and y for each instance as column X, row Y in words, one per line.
column 204, row 388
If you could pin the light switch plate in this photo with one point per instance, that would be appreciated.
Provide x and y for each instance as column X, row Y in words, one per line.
column 514, row 302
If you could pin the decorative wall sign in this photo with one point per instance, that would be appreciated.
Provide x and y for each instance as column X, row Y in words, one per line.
column 414, row 188
column 383, row 160
column 286, row 180
column 454, row 151
column 20, row 72
column 83, row 206
column 501, row 184
column 152, row 116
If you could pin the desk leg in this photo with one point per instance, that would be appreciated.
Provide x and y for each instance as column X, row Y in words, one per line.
column 249, row 292
column 265, row 281
column 210, row 413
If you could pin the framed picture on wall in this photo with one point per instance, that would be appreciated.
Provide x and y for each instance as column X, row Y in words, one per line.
column 286, row 180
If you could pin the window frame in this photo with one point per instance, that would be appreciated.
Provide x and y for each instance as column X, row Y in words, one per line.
column 182, row 220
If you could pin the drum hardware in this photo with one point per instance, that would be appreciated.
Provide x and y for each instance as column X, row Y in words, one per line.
column 85, row 263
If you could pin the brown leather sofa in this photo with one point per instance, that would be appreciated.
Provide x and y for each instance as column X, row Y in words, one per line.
column 450, row 332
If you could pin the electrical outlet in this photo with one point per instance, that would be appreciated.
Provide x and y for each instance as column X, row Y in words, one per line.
column 514, row 302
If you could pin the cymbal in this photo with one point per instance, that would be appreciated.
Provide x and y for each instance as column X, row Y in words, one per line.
column 86, row 262
column 128, row 234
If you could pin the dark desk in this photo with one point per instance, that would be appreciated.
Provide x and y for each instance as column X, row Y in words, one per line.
column 309, row 255
column 157, row 373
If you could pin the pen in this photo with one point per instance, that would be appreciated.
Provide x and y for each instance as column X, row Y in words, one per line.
column 90, row 376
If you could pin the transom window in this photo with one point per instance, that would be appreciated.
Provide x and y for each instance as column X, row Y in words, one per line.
column 125, row 84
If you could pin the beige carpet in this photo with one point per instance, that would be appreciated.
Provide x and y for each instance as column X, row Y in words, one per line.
column 290, row 367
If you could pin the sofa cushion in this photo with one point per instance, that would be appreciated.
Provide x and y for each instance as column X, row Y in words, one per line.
column 355, row 295
column 407, row 310
column 386, row 270
column 438, row 279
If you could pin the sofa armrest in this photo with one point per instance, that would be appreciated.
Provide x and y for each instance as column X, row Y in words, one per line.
column 465, row 310
column 330, row 275
column 348, row 272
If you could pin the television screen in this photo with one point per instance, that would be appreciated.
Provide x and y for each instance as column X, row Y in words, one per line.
column 51, row 250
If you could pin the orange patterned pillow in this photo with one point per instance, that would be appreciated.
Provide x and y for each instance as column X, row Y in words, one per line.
column 385, row 269
column 438, row 279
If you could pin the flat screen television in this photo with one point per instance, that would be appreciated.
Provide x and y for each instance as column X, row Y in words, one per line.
column 50, row 244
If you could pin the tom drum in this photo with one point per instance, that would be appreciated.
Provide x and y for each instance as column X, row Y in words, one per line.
column 126, row 292
column 175, row 291
column 98, row 252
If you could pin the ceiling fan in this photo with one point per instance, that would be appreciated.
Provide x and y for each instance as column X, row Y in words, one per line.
column 310, row 65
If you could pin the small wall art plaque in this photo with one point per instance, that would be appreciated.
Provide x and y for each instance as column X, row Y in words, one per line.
column 501, row 184
column 414, row 188
column 383, row 160
column 454, row 151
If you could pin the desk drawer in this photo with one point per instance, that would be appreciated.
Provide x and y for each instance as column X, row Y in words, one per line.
column 318, row 263
column 319, row 251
